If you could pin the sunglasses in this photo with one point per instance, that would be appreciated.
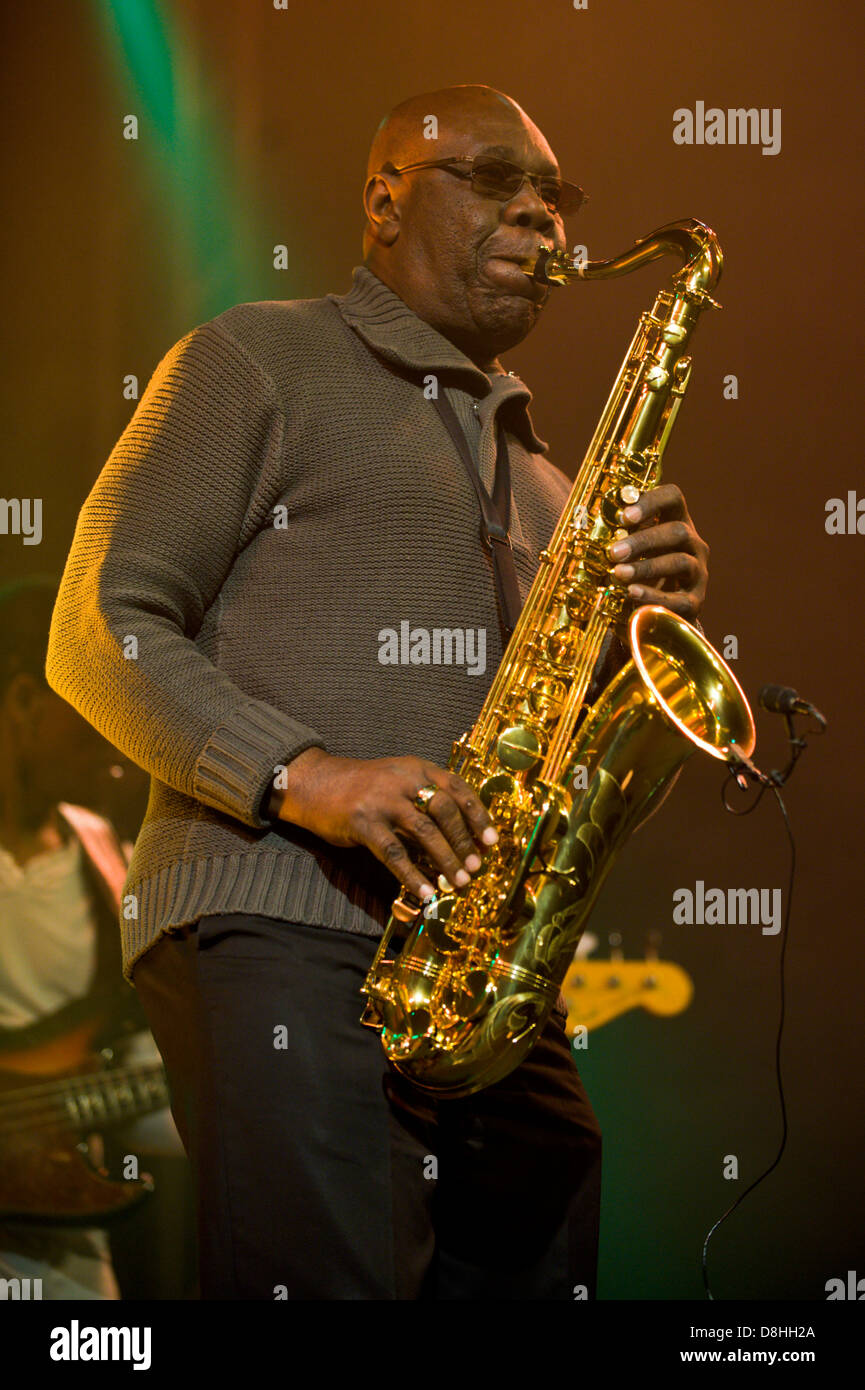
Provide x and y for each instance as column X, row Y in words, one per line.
column 498, row 178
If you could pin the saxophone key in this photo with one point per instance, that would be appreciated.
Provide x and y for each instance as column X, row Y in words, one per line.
column 547, row 697
column 500, row 784
column 519, row 748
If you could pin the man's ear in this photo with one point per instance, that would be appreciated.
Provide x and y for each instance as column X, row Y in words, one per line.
column 382, row 211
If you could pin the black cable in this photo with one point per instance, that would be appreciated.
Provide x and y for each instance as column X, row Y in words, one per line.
column 773, row 781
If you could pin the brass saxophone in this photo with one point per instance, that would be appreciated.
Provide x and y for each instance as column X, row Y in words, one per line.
column 480, row 968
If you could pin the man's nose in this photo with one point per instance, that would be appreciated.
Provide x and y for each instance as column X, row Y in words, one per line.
column 527, row 208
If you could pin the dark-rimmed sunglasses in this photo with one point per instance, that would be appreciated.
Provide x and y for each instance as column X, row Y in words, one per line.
column 498, row 178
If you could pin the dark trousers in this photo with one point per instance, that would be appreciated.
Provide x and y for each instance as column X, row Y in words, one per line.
column 320, row 1172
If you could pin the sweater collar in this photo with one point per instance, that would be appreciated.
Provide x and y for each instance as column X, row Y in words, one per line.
column 394, row 331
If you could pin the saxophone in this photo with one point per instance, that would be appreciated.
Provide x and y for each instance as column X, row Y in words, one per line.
column 564, row 782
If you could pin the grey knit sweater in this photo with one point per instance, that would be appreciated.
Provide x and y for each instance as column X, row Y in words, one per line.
column 283, row 496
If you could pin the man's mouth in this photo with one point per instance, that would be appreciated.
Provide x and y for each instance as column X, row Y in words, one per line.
column 511, row 271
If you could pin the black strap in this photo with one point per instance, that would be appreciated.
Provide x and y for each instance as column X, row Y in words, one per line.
column 495, row 516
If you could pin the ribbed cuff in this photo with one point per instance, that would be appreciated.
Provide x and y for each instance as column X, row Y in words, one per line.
column 238, row 764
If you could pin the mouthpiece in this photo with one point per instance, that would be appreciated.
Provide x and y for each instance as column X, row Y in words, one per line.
column 549, row 268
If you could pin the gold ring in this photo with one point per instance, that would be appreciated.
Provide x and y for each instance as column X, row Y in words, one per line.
column 424, row 797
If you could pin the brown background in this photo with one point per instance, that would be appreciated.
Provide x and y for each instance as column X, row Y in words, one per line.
column 116, row 248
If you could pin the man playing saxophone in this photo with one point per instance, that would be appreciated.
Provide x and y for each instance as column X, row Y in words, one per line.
column 285, row 493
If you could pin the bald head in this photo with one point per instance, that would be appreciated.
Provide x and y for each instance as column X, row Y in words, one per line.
column 426, row 126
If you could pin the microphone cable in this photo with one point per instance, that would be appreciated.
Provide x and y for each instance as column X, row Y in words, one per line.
column 741, row 768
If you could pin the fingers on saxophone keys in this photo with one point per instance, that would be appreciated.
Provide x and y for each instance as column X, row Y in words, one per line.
column 678, row 565
column 392, row 853
column 437, row 848
column 460, row 842
column 475, row 815
column 444, row 829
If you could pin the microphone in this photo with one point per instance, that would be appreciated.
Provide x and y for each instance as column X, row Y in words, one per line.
column 782, row 699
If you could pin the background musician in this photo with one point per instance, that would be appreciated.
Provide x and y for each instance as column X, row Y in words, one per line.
column 62, row 867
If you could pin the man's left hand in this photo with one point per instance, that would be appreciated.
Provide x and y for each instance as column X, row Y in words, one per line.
column 664, row 550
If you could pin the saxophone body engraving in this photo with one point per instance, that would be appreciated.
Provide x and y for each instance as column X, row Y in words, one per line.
column 480, row 968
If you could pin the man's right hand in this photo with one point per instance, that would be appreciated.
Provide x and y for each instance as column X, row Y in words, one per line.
column 370, row 802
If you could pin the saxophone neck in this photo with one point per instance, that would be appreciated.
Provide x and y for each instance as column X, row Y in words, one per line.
column 692, row 241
